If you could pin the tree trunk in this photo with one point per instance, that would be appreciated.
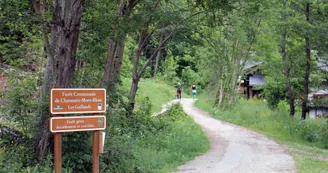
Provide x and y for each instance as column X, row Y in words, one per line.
column 141, row 44
column 233, row 84
column 64, row 41
column 307, row 67
column 286, row 68
column 118, row 59
column 116, row 48
column 108, row 66
column 112, row 48
column 234, row 72
column 221, row 97
column 159, row 54
column 135, row 78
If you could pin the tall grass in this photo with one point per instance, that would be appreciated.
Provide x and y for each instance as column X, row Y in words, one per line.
column 165, row 150
column 309, row 135
column 157, row 144
column 157, row 90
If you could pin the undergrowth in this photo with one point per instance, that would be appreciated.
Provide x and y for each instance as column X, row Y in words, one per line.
column 153, row 144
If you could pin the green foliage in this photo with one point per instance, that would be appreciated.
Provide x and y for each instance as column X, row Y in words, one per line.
column 169, row 73
column 18, row 114
column 16, row 157
column 321, row 101
column 274, row 92
column 20, row 36
column 158, row 91
column 20, row 102
column 77, row 153
column 188, row 77
column 309, row 165
column 12, row 165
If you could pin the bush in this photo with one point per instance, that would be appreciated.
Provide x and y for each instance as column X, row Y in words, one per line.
column 324, row 137
column 309, row 132
column 142, row 143
column 77, row 151
column 274, row 92
column 21, row 103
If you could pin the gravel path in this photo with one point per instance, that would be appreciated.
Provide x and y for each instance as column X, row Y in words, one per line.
column 235, row 149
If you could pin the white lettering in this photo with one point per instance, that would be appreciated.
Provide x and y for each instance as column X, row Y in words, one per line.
column 65, row 127
column 96, row 100
column 79, row 121
column 70, row 121
column 67, row 94
column 91, row 100
column 86, row 100
column 82, row 107
column 87, row 125
column 84, row 94
column 70, row 100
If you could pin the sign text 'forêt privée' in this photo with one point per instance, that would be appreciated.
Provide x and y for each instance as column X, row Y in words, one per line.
column 77, row 123
column 76, row 101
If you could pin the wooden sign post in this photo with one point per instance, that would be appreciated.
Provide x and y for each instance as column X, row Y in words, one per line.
column 77, row 101
column 58, row 152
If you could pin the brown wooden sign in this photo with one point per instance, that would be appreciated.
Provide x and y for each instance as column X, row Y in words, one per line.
column 77, row 123
column 77, row 100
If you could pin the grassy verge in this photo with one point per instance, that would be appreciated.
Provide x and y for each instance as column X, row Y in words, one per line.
column 160, row 144
column 157, row 90
column 164, row 151
column 305, row 141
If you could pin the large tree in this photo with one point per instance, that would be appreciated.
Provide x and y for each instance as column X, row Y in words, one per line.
column 65, row 29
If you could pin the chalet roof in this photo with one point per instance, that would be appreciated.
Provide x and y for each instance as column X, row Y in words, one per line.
column 317, row 92
column 251, row 64
column 322, row 65
column 322, row 62
column 256, row 79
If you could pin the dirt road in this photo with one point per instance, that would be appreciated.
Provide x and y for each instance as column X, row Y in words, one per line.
column 235, row 149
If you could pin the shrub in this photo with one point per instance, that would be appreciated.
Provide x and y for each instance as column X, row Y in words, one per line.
column 21, row 103
column 324, row 137
column 142, row 143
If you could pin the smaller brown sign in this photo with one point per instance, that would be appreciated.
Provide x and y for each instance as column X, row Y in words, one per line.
column 77, row 123
column 77, row 100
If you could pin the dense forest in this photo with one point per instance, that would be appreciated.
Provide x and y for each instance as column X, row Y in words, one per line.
column 117, row 44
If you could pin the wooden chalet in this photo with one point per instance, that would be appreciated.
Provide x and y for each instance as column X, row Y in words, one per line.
column 318, row 104
column 318, row 98
column 251, row 79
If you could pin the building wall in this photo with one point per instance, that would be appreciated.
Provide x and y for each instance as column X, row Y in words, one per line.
column 242, row 88
column 317, row 112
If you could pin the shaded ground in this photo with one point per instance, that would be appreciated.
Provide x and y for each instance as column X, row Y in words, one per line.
column 235, row 149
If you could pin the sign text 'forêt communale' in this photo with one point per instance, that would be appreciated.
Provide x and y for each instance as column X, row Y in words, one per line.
column 77, row 123
column 76, row 100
